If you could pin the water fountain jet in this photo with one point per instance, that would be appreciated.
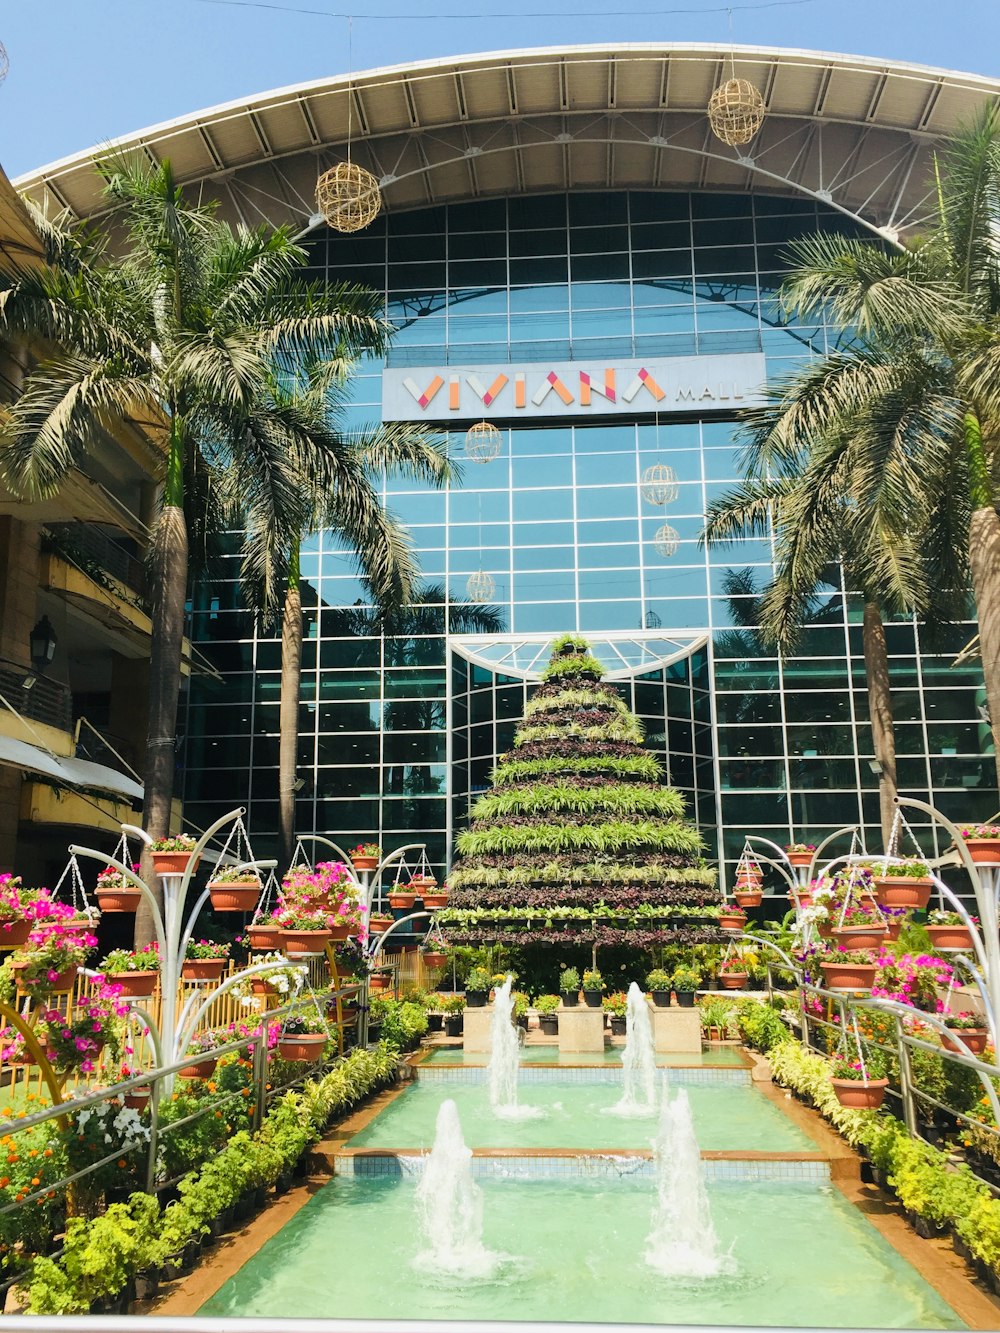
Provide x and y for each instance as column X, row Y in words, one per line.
column 505, row 1059
column 638, row 1060
column 450, row 1206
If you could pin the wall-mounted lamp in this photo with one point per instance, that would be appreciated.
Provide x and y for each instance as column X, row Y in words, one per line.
column 42, row 645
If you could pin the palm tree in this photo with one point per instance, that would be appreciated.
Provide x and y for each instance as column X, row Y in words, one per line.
column 910, row 407
column 188, row 328
column 809, row 508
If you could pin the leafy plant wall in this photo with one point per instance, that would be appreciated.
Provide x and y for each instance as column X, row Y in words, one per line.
column 578, row 840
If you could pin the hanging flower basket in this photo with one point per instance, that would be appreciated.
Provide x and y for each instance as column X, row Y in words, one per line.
column 733, row 980
column 263, row 939
column 261, row 987
column 304, row 943
column 402, row 899
column 240, row 896
column 800, row 858
column 60, row 982
column 860, row 937
column 732, row 920
column 433, row 959
column 136, row 983
column 801, row 897
column 974, row 1038
column 364, row 862
column 119, row 900
column 749, row 875
column 306, row 1047
column 15, row 933
column 435, row 898
column 378, row 981
column 858, row 1094
column 377, row 925
column 172, row 863
column 984, row 851
column 902, row 891
column 849, row 976
column 202, row 969
column 747, row 897
column 950, row 937
column 199, row 1069
column 137, row 1099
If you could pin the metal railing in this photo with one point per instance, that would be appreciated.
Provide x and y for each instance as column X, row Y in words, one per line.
column 46, row 701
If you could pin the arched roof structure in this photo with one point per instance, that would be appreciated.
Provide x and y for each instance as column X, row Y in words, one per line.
column 853, row 132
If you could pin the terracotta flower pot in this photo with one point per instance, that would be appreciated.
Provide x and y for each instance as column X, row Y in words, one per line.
column 435, row 900
column 64, row 981
column 303, row 943
column 857, row 1093
column 378, row 981
column 15, row 933
column 137, row 1099
column 434, row 960
column 171, row 863
column 849, row 976
column 235, row 897
column 135, row 983
column 974, row 1038
column 902, row 891
column 263, row 939
column 261, row 987
column 342, row 930
column 378, row 924
column 892, row 930
column 202, row 969
column 950, row 937
column 399, row 899
column 748, row 897
column 860, row 937
column 306, row 1047
column 199, row 1068
column 802, row 896
column 824, row 930
column 984, row 851
column 800, row 858
column 364, row 862
column 733, row 980
column 118, row 900
column 732, row 921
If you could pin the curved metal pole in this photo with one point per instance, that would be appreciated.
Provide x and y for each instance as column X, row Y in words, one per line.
column 782, row 869
column 384, row 864
column 413, row 916
column 132, row 878
column 258, row 969
column 35, row 1047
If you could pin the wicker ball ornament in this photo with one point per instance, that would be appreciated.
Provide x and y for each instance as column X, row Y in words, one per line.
column 349, row 197
column 480, row 587
column 736, row 111
column 4, row 62
column 659, row 484
column 666, row 539
column 482, row 442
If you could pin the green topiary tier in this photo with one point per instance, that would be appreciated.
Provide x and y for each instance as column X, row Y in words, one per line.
column 579, row 841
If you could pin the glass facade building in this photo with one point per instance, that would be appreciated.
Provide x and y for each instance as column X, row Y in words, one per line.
column 397, row 732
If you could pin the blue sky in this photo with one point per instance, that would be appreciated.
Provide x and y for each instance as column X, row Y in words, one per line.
column 83, row 74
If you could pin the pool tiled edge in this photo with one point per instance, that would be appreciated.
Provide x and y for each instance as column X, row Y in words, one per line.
column 678, row 1075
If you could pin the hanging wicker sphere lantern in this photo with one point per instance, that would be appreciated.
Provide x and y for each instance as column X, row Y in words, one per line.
column 666, row 539
column 480, row 587
column 4, row 62
column 348, row 197
column 659, row 484
column 482, row 442
column 736, row 111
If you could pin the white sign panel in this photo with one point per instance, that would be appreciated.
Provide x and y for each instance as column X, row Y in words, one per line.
column 573, row 388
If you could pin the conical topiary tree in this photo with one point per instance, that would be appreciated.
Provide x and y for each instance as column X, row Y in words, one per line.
column 578, row 841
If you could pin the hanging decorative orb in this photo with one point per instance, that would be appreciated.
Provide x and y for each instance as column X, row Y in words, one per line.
column 659, row 484
column 482, row 442
column 480, row 587
column 348, row 197
column 736, row 111
column 666, row 540
column 4, row 62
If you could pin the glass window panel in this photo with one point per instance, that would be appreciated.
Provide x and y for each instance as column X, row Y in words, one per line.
column 606, row 469
column 752, row 774
column 600, row 267
column 546, row 471
column 552, row 586
column 544, row 617
column 400, row 747
column 544, row 557
column 606, row 502
column 610, row 615
column 598, row 240
column 610, row 556
column 532, row 272
column 542, row 504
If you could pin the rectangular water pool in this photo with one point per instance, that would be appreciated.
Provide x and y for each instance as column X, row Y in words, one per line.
column 574, row 1251
column 711, row 1055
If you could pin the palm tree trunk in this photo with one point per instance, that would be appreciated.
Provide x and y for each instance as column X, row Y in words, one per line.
column 984, row 564
column 169, row 593
column 291, row 675
column 880, row 711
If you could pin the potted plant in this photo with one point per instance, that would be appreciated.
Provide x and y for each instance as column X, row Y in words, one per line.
column 303, row 1037
column 379, row 923
column 593, row 985
column 134, row 971
column 547, row 1007
column 454, row 1008
column 569, row 987
column 434, row 896
column 861, row 928
column 970, row 1028
column 54, row 953
column 434, row 960
column 716, row 1018
column 519, row 1011
column 20, row 910
column 615, row 1006
column 114, row 894
column 732, row 918
column 849, row 970
column 74, row 1043
column 204, row 960
column 658, row 983
column 857, row 1085
column 281, row 978
column 685, row 983
column 477, row 988
column 401, row 899
column 263, row 935
column 748, row 893
column 202, row 1064
column 904, row 884
column 748, row 874
column 171, row 855
column 982, row 841
column 948, row 931
column 366, row 856
column 304, row 934
column 733, row 973
column 800, row 853
column 235, row 889
column 435, row 1012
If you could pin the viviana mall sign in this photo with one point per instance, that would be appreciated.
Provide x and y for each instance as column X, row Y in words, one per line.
column 574, row 388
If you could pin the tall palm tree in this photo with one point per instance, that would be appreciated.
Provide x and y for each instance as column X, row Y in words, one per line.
column 187, row 327
column 911, row 405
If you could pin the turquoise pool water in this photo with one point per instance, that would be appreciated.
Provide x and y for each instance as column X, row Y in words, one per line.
column 575, row 1116
column 714, row 1054
column 804, row 1258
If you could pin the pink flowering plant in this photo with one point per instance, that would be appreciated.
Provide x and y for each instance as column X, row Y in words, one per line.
column 206, row 949
column 368, row 849
column 912, row 979
column 235, row 875
column 180, row 842
column 329, row 892
column 800, row 846
column 20, row 904
column 979, row 830
column 75, row 1043
column 53, row 947
column 851, row 1066
column 110, row 878
column 963, row 1022
column 119, row 961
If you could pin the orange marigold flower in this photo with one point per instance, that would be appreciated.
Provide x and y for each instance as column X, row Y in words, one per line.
column 35, row 1180
column 4, row 1182
column 122, row 1164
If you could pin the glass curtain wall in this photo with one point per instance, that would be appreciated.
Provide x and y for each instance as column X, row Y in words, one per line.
column 558, row 522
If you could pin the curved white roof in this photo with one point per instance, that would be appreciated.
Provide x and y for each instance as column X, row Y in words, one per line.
column 852, row 131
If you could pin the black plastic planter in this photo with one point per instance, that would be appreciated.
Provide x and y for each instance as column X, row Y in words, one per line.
column 685, row 998
column 570, row 998
column 453, row 1024
column 592, row 999
column 549, row 1024
column 476, row 999
column 661, row 998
